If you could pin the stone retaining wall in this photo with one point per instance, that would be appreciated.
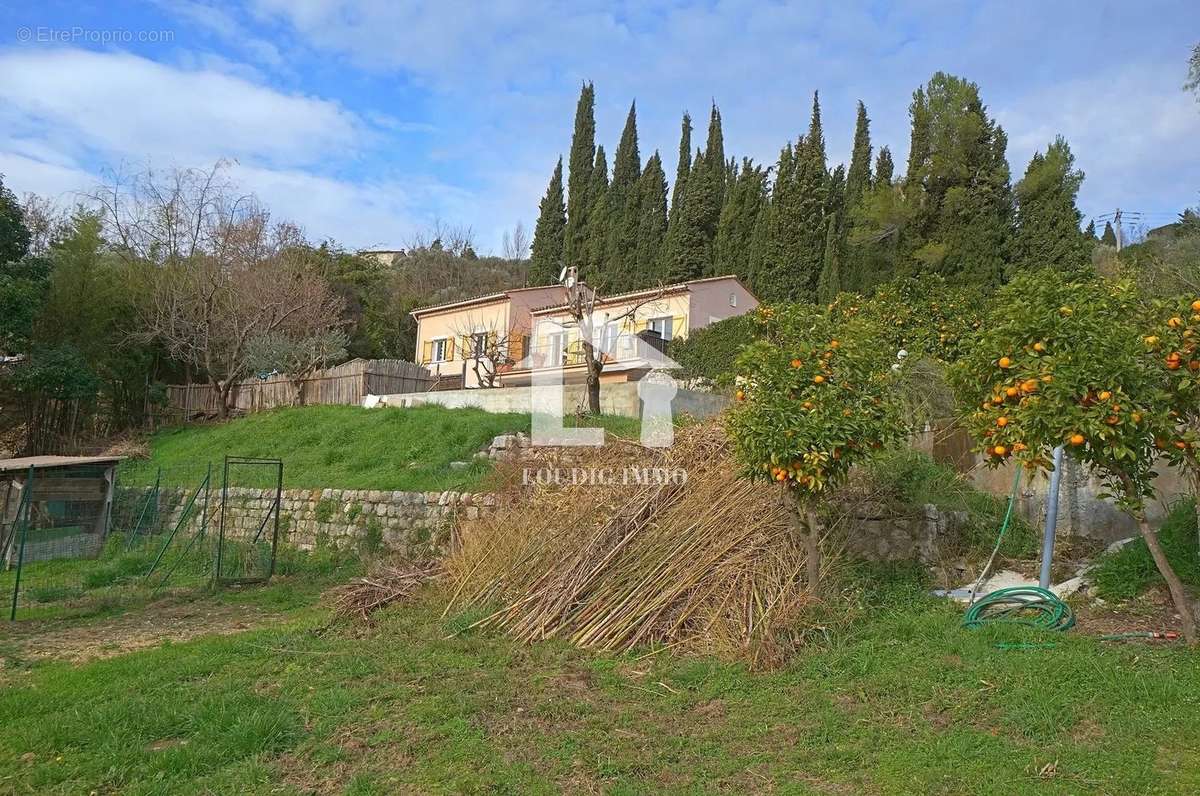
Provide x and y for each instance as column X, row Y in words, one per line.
column 407, row 522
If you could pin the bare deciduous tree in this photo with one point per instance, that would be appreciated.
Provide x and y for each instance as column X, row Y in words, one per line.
column 515, row 244
column 46, row 221
column 221, row 274
column 489, row 347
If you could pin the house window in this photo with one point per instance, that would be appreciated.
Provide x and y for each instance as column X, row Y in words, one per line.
column 479, row 344
column 557, row 345
column 612, row 333
column 664, row 327
column 733, row 299
column 439, row 350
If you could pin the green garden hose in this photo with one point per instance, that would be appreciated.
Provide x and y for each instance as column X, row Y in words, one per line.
column 1032, row 606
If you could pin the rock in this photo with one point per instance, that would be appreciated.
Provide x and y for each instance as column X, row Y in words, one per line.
column 459, row 465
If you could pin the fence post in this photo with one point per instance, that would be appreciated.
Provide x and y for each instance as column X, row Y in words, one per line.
column 221, row 530
column 278, row 510
column 27, row 498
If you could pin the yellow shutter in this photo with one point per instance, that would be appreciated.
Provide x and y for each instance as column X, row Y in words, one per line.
column 679, row 326
column 427, row 352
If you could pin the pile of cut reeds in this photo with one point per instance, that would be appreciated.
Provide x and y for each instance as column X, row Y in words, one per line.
column 385, row 584
column 710, row 565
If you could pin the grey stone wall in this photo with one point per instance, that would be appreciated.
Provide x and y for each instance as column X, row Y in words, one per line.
column 413, row 523
column 878, row 535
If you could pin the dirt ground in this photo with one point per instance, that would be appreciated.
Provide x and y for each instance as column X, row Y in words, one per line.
column 1150, row 612
column 151, row 626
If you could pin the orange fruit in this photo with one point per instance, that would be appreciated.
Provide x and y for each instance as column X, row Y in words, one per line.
column 1047, row 378
column 1002, row 421
column 1194, row 365
column 1175, row 322
column 796, row 363
column 1039, row 346
column 1181, row 444
column 1136, row 417
column 1019, row 446
column 1000, row 450
column 1029, row 385
column 740, row 395
column 1112, row 420
column 1151, row 340
column 1173, row 363
column 1105, row 395
column 1196, row 305
column 846, row 413
column 834, row 344
column 1004, row 362
column 1076, row 439
column 818, row 379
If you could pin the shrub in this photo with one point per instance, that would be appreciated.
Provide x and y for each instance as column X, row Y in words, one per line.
column 710, row 354
column 1127, row 572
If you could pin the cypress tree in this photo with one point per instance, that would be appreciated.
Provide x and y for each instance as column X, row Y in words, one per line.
column 812, row 181
column 682, row 172
column 829, row 284
column 596, row 239
column 652, row 224
column 775, row 278
column 714, row 158
column 546, row 254
column 689, row 250
column 884, row 167
column 622, row 201
column 1090, row 232
column 583, row 153
column 744, row 203
column 1109, row 238
column 1047, row 233
column 858, row 177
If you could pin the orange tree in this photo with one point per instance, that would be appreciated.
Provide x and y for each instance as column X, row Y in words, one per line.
column 923, row 314
column 815, row 396
column 1065, row 363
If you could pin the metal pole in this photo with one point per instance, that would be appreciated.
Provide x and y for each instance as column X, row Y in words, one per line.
column 221, row 530
column 1051, row 519
column 278, row 509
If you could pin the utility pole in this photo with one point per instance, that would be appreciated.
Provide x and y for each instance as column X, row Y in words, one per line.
column 1117, row 224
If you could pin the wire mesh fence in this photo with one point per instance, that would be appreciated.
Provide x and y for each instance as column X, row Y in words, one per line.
column 154, row 531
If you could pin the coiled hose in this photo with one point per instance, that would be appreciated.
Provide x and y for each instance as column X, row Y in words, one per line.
column 1032, row 606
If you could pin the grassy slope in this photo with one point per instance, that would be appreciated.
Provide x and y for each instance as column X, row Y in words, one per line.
column 1128, row 571
column 908, row 702
column 345, row 447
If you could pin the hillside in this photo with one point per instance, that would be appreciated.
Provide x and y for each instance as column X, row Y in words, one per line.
column 341, row 447
column 345, row 447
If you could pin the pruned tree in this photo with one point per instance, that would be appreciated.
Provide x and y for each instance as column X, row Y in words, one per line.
column 296, row 357
column 489, row 347
column 582, row 302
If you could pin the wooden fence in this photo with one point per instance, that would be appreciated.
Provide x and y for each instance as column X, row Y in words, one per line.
column 348, row 383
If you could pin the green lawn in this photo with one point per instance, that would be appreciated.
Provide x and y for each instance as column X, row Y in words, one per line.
column 904, row 702
column 346, row 447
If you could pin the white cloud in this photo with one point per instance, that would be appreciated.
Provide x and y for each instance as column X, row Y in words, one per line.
column 134, row 107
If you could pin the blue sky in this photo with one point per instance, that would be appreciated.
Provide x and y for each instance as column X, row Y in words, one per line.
column 366, row 122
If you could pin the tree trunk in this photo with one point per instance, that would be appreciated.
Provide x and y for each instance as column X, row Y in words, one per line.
column 1174, row 584
column 807, row 527
column 594, row 367
column 812, row 544
column 223, row 391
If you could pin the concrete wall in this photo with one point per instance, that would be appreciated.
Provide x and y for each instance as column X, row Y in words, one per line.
column 615, row 399
column 1081, row 510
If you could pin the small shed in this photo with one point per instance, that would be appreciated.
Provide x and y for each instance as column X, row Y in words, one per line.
column 59, row 506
